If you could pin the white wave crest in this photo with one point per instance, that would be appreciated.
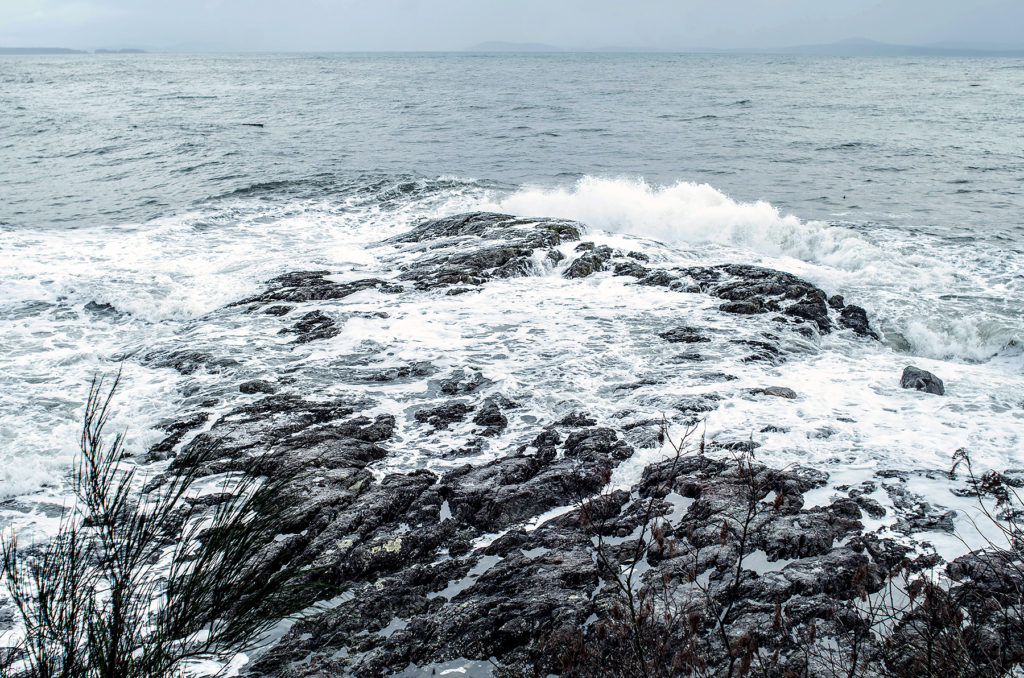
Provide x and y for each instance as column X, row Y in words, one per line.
column 692, row 213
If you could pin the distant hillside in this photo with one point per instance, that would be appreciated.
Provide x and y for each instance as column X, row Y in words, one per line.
column 39, row 50
column 498, row 46
column 126, row 50
column 862, row 47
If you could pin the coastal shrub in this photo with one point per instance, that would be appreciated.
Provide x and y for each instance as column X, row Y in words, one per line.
column 142, row 579
column 909, row 619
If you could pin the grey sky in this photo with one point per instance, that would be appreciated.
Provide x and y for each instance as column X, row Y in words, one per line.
column 455, row 24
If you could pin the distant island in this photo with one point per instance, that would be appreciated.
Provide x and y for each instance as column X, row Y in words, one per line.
column 65, row 50
column 850, row 47
column 40, row 50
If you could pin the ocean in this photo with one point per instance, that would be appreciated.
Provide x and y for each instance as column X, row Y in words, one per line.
column 141, row 194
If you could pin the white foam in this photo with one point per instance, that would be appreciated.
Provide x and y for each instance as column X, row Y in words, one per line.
column 905, row 282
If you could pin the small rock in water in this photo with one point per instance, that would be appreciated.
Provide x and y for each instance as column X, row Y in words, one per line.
column 278, row 309
column 257, row 386
column 777, row 391
column 922, row 380
column 684, row 335
column 836, row 302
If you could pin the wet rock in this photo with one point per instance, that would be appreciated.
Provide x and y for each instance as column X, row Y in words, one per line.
column 278, row 310
column 631, row 268
column 836, row 302
column 419, row 369
column 576, row 419
column 639, row 256
column 685, row 335
column 585, row 265
column 176, row 431
column 763, row 351
column 596, row 442
column 659, row 278
column 856, row 318
column 442, row 416
column 187, row 362
column 469, row 249
column 491, row 418
column 460, row 382
column 302, row 286
column 815, row 311
column 312, row 326
column 749, row 307
column 257, row 386
column 100, row 310
column 777, row 391
column 922, row 380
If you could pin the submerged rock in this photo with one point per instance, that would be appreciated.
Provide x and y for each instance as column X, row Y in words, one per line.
column 922, row 380
column 684, row 335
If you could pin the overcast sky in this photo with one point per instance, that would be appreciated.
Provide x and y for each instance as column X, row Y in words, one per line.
column 341, row 25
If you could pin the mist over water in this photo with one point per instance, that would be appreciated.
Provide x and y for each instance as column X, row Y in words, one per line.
column 136, row 204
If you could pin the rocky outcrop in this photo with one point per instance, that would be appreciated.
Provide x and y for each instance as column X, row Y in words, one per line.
column 470, row 249
column 754, row 290
column 519, row 535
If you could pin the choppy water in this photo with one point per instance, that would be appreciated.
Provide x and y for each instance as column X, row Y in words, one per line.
column 132, row 182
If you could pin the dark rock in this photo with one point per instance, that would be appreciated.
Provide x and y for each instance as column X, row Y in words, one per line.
column 639, row 256
column 777, row 391
column 596, row 442
column 100, row 310
column 187, row 362
column 659, row 278
column 460, row 382
column 856, row 318
column 469, row 249
column 585, row 265
column 176, row 431
column 302, row 286
column 490, row 417
column 442, row 416
column 278, row 310
column 414, row 370
column 685, row 335
column 815, row 311
column 257, row 386
column 749, row 307
column 922, row 380
column 312, row 326
column 836, row 302
column 576, row 419
column 631, row 268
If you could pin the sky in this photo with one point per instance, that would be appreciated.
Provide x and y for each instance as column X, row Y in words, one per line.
column 358, row 25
